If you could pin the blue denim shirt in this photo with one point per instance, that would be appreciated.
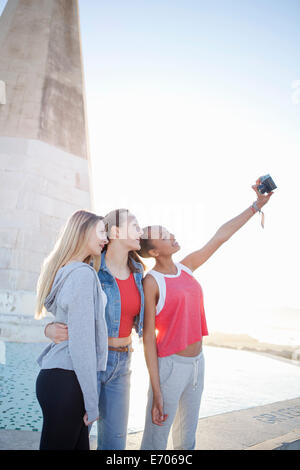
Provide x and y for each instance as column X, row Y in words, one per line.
column 113, row 306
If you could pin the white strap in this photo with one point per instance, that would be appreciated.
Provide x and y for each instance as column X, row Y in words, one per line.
column 196, row 370
column 185, row 268
column 160, row 279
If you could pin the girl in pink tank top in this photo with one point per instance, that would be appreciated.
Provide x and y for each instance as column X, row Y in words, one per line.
column 180, row 317
column 174, row 325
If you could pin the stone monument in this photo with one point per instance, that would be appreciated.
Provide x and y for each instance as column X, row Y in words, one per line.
column 44, row 156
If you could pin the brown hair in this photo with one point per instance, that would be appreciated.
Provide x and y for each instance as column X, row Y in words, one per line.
column 117, row 218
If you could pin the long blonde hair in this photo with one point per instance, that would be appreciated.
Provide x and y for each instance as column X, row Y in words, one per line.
column 70, row 243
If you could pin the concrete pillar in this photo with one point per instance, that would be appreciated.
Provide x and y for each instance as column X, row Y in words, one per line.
column 44, row 156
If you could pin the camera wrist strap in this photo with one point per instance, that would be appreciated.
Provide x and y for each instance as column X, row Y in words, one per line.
column 262, row 219
column 254, row 205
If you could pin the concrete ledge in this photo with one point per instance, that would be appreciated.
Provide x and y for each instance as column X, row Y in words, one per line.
column 19, row 440
column 290, row 441
column 269, row 427
column 295, row 445
column 242, row 429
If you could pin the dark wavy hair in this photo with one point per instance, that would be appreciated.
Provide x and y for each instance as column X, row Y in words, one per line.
column 146, row 241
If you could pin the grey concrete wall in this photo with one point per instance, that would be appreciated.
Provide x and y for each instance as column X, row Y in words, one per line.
column 44, row 157
column 40, row 62
column 40, row 187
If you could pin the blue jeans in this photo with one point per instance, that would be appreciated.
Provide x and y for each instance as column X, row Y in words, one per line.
column 114, row 389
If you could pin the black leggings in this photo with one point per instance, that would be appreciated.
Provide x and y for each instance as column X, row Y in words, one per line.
column 60, row 397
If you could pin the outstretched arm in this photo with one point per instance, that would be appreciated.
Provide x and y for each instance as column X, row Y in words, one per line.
column 197, row 258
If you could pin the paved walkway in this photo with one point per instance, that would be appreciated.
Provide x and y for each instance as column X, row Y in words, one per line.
column 274, row 426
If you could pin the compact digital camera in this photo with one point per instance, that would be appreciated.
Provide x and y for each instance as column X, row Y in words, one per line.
column 266, row 184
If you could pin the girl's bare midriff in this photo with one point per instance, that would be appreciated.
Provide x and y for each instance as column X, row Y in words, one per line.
column 192, row 350
column 118, row 342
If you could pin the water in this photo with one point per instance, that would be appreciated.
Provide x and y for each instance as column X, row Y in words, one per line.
column 234, row 380
column 19, row 408
column 279, row 326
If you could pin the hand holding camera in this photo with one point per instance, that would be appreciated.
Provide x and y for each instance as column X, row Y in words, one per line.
column 263, row 185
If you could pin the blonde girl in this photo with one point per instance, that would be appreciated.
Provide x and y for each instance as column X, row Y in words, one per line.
column 69, row 288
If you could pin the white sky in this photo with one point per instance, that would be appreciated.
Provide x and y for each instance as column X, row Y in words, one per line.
column 184, row 114
column 188, row 103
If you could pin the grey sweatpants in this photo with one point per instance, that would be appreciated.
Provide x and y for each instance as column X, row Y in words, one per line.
column 181, row 382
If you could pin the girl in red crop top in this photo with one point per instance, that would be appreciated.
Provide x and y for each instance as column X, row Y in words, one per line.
column 174, row 325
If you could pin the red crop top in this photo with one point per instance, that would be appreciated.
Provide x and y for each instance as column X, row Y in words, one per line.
column 130, row 304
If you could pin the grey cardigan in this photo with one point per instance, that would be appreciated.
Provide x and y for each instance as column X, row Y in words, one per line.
column 77, row 299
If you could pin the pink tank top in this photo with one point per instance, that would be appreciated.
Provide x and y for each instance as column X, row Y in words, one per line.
column 180, row 316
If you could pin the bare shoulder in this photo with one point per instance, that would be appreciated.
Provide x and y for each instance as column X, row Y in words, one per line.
column 187, row 263
column 150, row 283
